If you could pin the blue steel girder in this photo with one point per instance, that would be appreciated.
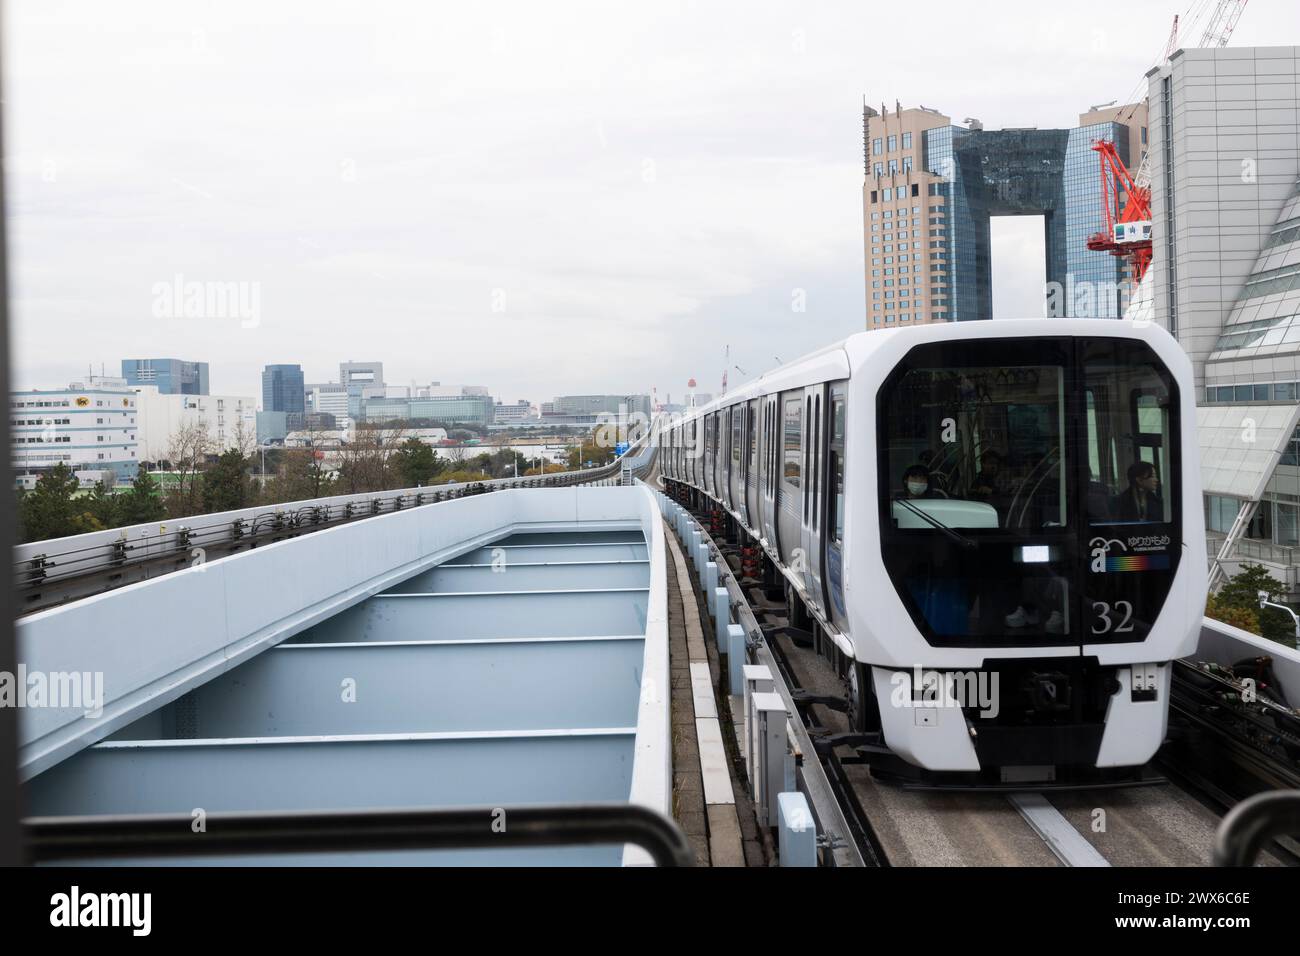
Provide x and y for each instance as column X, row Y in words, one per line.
column 339, row 773
column 505, row 575
column 377, row 688
column 499, row 615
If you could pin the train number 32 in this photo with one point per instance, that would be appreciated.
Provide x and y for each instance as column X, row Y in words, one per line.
column 1105, row 624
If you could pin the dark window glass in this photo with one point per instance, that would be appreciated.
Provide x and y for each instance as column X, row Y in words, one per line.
column 837, row 468
column 1004, row 469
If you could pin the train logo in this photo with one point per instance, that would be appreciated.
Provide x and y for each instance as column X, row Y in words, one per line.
column 1101, row 558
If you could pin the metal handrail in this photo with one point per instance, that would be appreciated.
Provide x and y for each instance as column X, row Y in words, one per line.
column 98, row 838
column 123, row 547
column 1252, row 823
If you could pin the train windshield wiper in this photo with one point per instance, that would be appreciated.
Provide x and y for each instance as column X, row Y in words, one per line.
column 967, row 543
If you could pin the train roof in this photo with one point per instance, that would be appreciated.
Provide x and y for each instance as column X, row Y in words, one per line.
column 836, row 360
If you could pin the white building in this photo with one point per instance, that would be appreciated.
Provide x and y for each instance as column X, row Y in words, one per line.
column 519, row 412
column 89, row 426
column 231, row 420
column 1225, row 280
column 329, row 397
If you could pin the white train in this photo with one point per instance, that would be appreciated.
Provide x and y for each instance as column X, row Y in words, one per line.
column 994, row 528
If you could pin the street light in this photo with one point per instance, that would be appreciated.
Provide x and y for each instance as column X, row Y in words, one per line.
column 1265, row 602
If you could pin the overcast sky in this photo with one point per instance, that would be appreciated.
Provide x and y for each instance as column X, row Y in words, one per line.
column 540, row 197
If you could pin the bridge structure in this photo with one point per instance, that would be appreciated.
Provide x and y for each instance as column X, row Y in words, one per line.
column 549, row 671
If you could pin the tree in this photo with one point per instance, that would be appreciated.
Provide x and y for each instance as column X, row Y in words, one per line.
column 226, row 485
column 301, row 476
column 47, row 511
column 417, row 463
column 591, row 450
column 143, row 503
column 99, row 509
column 1242, row 592
column 187, row 452
column 363, row 461
column 1245, row 618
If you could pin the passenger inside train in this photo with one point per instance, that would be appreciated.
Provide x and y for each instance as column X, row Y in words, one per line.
column 1023, row 448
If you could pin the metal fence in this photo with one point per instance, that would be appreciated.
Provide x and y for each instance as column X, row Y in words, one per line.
column 48, row 573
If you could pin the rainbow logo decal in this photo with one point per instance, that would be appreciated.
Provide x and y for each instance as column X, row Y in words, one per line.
column 1138, row 562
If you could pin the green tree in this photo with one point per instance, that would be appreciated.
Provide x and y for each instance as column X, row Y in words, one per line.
column 592, row 450
column 1242, row 591
column 143, row 503
column 226, row 485
column 99, row 509
column 49, row 509
column 417, row 463
column 1246, row 618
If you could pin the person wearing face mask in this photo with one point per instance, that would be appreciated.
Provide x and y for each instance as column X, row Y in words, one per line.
column 916, row 482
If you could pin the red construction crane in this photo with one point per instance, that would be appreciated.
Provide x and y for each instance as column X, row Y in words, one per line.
column 1126, row 200
column 1127, row 210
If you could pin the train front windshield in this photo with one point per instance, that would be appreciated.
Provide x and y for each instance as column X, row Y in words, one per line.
column 1029, row 489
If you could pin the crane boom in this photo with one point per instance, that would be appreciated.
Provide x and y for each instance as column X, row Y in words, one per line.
column 1222, row 23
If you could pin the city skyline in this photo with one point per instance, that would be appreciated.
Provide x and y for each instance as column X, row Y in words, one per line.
column 550, row 202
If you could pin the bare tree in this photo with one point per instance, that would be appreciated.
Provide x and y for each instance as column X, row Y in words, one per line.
column 244, row 440
column 364, row 461
column 187, row 451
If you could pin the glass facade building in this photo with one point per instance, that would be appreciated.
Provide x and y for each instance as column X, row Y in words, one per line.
column 1021, row 172
column 475, row 410
column 170, row 376
column 283, row 389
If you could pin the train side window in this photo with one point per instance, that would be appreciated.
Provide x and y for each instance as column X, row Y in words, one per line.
column 752, row 445
column 735, row 437
column 766, row 470
column 1129, row 424
column 793, row 442
column 818, row 464
column 807, row 452
column 835, row 471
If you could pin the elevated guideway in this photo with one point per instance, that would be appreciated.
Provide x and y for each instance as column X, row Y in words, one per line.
column 498, row 651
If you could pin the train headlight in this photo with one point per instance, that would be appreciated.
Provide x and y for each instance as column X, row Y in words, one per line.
column 1035, row 554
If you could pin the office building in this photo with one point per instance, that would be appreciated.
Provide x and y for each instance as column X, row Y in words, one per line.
column 283, row 389
column 1225, row 280
column 230, row 420
column 91, row 427
column 446, row 410
column 521, row 411
column 932, row 188
column 169, row 376
column 362, row 381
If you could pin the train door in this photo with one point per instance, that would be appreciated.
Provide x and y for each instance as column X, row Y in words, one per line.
column 811, row 512
column 724, row 456
column 715, row 454
column 736, row 457
column 692, row 451
column 790, row 484
column 752, row 429
column 833, row 486
column 767, row 497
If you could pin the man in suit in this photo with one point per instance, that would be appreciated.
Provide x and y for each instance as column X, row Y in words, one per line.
column 1140, row 502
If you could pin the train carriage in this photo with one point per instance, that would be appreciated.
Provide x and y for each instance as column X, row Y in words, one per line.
column 1009, row 505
